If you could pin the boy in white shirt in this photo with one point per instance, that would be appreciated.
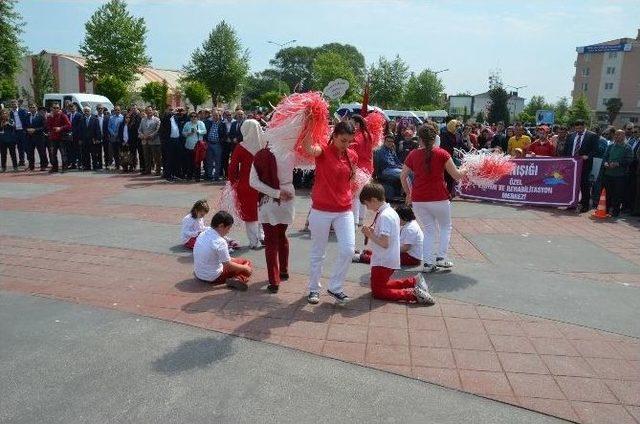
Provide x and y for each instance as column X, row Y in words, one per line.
column 211, row 261
column 383, row 239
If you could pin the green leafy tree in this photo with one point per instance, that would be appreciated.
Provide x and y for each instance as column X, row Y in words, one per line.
column 11, row 48
column 156, row 94
column 221, row 64
column 525, row 117
column 269, row 98
column 330, row 66
column 388, row 79
column 114, row 43
column 43, row 80
column 112, row 88
column 561, row 109
column 351, row 54
column 423, row 90
column 294, row 66
column 260, row 83
column 498, row 108
column 535, row 104
column 196, row 92
column 580, row 110
column 613, row 105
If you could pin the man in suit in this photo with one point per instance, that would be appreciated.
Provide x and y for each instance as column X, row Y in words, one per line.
column 234, row 137
column 632, row 134
column 583, row 144
column 35, row 138
column 216, row 134
column 73, row 144
column 19, row 117
column 100, row 135
column 165, row 140
column 85, row 131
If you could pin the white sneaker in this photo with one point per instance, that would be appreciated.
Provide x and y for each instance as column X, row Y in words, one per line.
column 356, row 258
column 428, row 268
column 421, row 282
column 423, row 296
column 443, row 263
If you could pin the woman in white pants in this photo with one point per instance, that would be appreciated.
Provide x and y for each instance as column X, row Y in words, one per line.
column 429, row 195
column 331, row 202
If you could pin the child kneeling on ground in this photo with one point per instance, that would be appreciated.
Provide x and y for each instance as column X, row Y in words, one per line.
column 411, row 240
column 384, row 241
column 211, row 261
column 193, row 223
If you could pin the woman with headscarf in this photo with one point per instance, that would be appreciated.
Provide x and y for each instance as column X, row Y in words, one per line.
column 238, row 174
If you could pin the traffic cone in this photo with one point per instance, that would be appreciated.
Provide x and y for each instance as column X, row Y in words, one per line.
column 601, row 210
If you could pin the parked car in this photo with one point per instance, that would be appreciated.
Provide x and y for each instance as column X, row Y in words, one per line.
column 79, row 99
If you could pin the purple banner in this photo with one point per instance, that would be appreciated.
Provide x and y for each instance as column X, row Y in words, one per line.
column 535, row 181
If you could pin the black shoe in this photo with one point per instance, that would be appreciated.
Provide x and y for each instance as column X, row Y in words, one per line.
column 272, row 288
column 21, row 163
column 340, row 298
column 584, row 209
column 53, row 170
column 313, row 298
column 284, row 276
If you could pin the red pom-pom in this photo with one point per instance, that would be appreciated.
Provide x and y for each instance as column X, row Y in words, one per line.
column 375, row 124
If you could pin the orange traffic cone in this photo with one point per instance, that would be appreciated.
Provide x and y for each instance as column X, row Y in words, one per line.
column 601, row 211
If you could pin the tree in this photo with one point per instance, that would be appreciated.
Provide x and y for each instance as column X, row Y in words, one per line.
column 388, row 80
column 112, row 88
column 351, row 54
column 196, row 92
column 221, row 64
column 156, row 94
column 294, row 65
column 261, row 83
column 613, row 105
column 114, row 43
column 11, row 49
column 330, row 66
column 43, row 80
column 480, row 117
column 498, row 108
column 535, row 104
column 561, row 109
column 580, row 110
column 525, row 117
column 424, row 91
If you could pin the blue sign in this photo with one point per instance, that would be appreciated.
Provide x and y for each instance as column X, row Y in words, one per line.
column 545, row 117
column 604, row 48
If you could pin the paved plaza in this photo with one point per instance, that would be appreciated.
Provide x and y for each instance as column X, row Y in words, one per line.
column 101, row 320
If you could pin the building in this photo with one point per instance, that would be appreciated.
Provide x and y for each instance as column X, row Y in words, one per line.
column 468, row 105
column 69, row 76
column 610, row 70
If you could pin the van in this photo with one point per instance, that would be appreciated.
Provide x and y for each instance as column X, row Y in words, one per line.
column 355, row 108
column 79, row 99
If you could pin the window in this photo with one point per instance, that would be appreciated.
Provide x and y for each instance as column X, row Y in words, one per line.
column 604, row 102
column 613, row 55
column 633, row 119
column 587, row 57
column 608, row 86
column 585, row 72
column 585, row 86
column 611, row 70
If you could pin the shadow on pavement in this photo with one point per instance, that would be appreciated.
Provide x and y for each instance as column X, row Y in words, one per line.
column 194, row 354
column 452, row 282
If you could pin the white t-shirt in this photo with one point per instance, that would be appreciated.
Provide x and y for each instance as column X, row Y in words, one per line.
column 387, row 224
column 411, row 234
column 191, row 227
column 209, row 254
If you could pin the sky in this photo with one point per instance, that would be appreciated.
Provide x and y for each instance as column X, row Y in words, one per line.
column 532, row 43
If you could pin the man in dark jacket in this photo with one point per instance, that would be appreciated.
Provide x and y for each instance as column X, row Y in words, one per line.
column 100, row 134
column 19, row 117
column 35, row 138
column 165, row 140
column 216, row 134
column 583, row 144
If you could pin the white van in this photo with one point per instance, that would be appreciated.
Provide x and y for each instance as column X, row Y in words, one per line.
column 79, row 99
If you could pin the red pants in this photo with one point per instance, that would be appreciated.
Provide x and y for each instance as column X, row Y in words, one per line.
column 190, row 243
column 405, row 258
column 385, row 289
column 226, row 274
column 276, row 251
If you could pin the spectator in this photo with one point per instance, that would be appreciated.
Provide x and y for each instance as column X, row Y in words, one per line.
column 7, row 141
column 150, row 141
column 100, row 133
column 448, row 141
column 174, row 147
column 112, row 153
column 597, row 167
column 216, row 134
column 560, row 140
column 519, row 140
column 193, row 131
column 389, row 166
column 409, row 142
column 35, row 138
column 19, row 119
column 543, row 145
column 90, row 146
column 633, row 139
column 583, row 144
column 124, row 140
column 57, row 125
column 484, row 139
column 73, row 142
column 235, row 137
column 135, row 146
column 616, row 166
column 468, row 140
column 165, row 142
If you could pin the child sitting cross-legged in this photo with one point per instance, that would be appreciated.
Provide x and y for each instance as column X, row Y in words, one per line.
column 411, row 239
column 383, row 239
column 211, row 261
column 193, row 223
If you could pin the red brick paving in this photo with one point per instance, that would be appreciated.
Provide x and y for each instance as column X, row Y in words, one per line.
column 560, row 369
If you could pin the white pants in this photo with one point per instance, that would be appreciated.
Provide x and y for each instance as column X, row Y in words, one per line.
column 319, row 224
column 359, row 210
column 429, row 214
column 254, row 233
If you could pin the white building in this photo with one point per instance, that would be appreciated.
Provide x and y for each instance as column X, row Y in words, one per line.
column 467, row 105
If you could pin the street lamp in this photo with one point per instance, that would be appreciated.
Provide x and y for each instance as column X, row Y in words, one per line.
column 514, row 103
column 281, row 45
column 440, row 71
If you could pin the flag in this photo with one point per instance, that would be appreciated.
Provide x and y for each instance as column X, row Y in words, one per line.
column 365, row 101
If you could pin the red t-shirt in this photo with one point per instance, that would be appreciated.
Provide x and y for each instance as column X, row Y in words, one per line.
column 428, row 186
column 332, row 183
column 363, row 146
column 542, row 149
